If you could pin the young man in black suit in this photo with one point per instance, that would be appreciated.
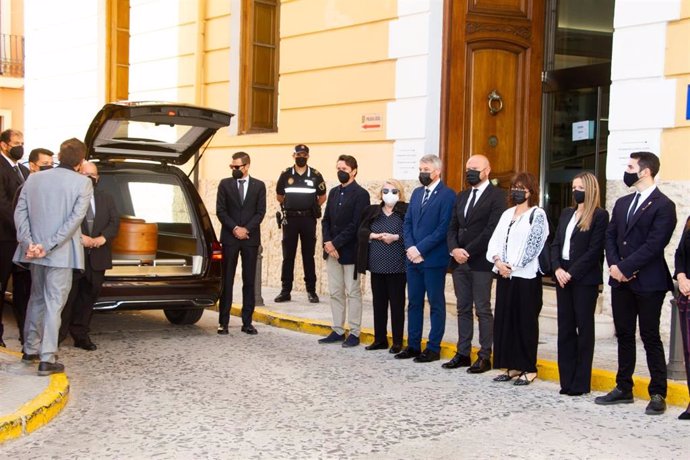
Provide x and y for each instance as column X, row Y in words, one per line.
column 98, row 229
column 240, row 207
column 12, row 176
column 641, row 226
column 475, row 215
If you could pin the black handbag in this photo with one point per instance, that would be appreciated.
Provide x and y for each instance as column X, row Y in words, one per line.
column 545, row 268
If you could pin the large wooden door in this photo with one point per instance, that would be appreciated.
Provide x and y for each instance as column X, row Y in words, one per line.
column 492, row 86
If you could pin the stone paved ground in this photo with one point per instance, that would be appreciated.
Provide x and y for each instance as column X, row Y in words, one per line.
column 157, row 391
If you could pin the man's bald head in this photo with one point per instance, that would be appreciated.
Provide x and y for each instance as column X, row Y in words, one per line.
column 91, row 170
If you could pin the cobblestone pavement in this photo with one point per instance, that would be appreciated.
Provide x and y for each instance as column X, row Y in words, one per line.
column 153, row 390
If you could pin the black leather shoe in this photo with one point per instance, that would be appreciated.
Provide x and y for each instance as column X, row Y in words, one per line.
column 656, row 406
column 2, row 344
column 283, row 297
column 457, row 361
column 615, row 396
column 408, row 353
column 395, row 349
column 46, row 368
column 377, row 346
column 684, row 416
column 85, row 344
column 223, row 330
column 313, row 298
column 333, row 337
column 251, row 330
column 480, row 366
column 427, row 356
column 29, row 359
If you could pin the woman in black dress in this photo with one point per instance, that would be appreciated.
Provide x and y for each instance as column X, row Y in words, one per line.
column 577, row 253
column 681, row 274
column 381, row 251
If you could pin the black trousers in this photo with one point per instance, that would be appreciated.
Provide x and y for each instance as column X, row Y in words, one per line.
column 78, row 310
column 388, row 289
column 231, row 253
column 7, row 249
column 627, row 307
column 21, row 291
column 576, row 306
column 304, row 229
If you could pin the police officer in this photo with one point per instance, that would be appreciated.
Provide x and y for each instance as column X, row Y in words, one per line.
column 300, row 191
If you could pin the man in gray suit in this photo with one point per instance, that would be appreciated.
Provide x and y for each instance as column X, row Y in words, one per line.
column 48, row 216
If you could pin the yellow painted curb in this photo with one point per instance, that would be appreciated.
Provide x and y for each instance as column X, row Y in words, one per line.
column 602, row 380
column 37, row 412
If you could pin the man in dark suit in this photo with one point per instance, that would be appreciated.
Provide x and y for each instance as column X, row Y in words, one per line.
column 240, row 207
column 475, row 215
column 340, row 224
column 641, row 226
column 425, row 230
column 12, row 175
column 98, row 229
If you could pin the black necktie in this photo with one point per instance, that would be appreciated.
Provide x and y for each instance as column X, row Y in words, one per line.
column 89, row 219
column 19, row 172
column 241, row 182
column 471, row 206
column 631, row 212
column 426, row 196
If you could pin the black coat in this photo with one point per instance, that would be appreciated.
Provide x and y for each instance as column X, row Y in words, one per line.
column 248, row 214
column 368, row 216
column 106, row 223
column 586, row 248
column 473, row 236
column 683, row 252
column 9, row 183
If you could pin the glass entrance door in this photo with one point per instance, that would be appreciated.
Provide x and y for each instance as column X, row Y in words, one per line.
column 576, row 84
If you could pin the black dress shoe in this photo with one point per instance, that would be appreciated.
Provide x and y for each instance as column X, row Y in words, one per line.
column 615, row 396
column 85, row 344
column 480, row 366
column 457, row 361
column 684, row 416
column 408, row 353
column 46, row 368
column 395, row 349
column 249, row 329
column 2, row 344
column 283, row 297
column 427, row 356
column 656, row 406
column 563, row 391
column 29, row 359
column 377, row 346
column 575, row 393
column 223, row 330
column 313, row 298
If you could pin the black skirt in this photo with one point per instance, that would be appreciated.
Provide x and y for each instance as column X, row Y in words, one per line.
column 516, row 323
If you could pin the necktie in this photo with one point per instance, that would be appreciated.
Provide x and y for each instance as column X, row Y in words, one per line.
column 19, row 173
column 631, row 212
column 241, row 188
column 89, row 219
column 471, row 206
column 426, row 196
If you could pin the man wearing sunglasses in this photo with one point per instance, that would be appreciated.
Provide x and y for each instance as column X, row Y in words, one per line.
column 300, row 191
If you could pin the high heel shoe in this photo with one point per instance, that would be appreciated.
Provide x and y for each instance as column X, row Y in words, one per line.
column 524, row 380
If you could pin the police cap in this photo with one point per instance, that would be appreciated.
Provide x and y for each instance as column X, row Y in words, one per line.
column 301, row 148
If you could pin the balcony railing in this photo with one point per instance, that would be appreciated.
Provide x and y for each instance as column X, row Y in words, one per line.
column 12, row 55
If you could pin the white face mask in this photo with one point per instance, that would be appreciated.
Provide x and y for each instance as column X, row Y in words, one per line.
column 390, row 199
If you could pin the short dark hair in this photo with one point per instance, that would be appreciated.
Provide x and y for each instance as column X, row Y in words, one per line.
column 349, row 160
column 72, row 152
column 528, row 181
column 244, row 156
column 647, row 160
column 33, row 156
column 6, row 135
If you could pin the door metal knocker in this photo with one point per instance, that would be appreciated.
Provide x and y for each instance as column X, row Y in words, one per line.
column 495, row 102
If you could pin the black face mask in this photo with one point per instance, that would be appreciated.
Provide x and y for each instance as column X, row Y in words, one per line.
column 473, row 177
column 518, row 196
column 343, row 176
column 579, row 196
column 425, row 178
column 16, row 152
column 45, row 167
column 630, row 179
column 237, row 174
column 301, row 162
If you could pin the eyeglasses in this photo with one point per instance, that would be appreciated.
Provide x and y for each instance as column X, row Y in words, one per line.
column 386, row 191
column 518, row 189
column 237, row 167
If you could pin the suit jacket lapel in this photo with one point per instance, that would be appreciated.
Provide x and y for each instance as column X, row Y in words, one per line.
column 641, row 207
column 431, row 196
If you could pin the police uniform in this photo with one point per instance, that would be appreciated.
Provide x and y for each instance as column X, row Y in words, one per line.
column 301, row 209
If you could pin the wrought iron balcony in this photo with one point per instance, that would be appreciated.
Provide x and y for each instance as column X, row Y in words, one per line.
column 12, row 55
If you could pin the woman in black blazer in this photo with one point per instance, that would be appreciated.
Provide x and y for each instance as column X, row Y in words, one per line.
column 577, row 253
column 681, row 274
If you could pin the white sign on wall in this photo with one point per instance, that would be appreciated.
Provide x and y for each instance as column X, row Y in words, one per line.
column 622, row 143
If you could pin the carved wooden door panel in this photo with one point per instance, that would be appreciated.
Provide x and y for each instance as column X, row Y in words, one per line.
column 492, row 86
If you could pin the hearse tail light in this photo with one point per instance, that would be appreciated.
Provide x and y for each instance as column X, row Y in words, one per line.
column 216, row 251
